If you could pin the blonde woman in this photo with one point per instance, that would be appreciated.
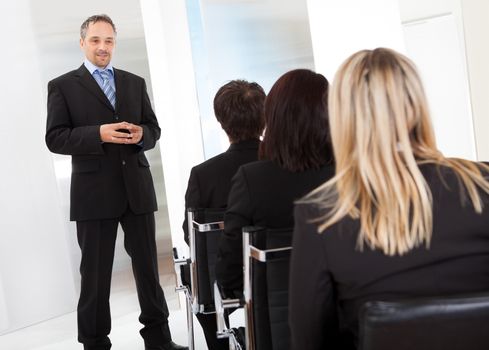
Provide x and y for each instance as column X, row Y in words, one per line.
column 397, row 220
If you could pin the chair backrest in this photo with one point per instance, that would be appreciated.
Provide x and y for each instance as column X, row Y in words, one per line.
column 205, row 228
column 450, row 323
column 266, row 255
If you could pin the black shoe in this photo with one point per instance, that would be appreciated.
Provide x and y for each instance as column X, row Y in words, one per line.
column 168, row 346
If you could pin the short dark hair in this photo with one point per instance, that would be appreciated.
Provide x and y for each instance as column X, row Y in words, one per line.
column 239, row 108
column 297, row 134
column 95, row 19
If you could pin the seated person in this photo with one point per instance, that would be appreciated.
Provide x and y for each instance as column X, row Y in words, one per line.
column 295, row 157
column 399, row 220
column 238, row 106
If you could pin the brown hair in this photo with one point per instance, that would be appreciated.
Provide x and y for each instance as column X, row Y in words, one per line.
column 296, row 118
column 95, row 19
column 238, row 106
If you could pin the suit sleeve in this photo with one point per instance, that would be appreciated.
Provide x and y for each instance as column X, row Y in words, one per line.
column 149, row 122
column 192, row 200
column 61, row 136
column 312, row 308
column 229, row 267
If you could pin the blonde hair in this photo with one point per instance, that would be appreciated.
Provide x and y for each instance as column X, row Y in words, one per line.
column 381, row 131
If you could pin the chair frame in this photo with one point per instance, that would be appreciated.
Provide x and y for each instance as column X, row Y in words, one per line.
column 180, row 287
column 193, row 305
column 222, row 305
column 251, row 252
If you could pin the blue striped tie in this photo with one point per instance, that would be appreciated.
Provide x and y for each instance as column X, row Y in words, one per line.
column 106, row 87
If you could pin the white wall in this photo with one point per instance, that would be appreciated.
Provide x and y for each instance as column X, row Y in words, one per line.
column 4, row 322
column 341, row 27
column 417, row 9
column 476, row 29
column 37, row 281
column 430, row 32
column 252, row 40
column 175, row 99
column 435, row 41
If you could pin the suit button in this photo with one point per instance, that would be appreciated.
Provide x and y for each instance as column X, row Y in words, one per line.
column 116, row 118
column 123, row 162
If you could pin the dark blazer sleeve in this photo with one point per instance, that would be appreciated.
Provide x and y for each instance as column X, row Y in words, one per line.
column 192, row 199
column 61, row 136
column 312, row 311
column 229, row 267
column 149, row 122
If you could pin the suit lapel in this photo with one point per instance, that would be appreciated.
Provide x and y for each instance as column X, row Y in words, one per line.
column 120, row 85
column 88, row 82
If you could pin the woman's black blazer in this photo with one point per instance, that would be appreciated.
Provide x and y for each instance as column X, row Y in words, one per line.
column 331, row 278
column 262, row 194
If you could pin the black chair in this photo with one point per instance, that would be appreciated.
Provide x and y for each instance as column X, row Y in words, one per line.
column 266, row 257
column 196, row 276
column 448, row 323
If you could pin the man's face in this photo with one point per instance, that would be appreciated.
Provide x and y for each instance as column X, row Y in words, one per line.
column 99, row 43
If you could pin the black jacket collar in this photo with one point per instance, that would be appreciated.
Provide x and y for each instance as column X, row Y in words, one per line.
column 248, row 144
column 87, row 80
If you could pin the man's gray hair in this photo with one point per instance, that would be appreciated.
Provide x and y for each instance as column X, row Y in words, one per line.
column 95, row 19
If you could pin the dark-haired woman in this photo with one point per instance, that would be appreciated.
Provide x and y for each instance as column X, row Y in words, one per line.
column 295, row 157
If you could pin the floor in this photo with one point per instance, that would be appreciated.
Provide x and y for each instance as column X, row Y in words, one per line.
column 60, row 333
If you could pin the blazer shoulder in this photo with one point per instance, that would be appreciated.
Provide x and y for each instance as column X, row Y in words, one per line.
column 306, row 211
column 128, row 75
column 211, row 167
column 327, row 170
column 261, row 165
column 214, row 161
column 438, row 175
column 64, row 77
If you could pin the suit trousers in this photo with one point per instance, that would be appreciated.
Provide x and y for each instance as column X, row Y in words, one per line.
column 96, row 239
column 209, row 326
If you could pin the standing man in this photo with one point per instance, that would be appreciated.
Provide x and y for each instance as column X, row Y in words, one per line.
column 102, row 117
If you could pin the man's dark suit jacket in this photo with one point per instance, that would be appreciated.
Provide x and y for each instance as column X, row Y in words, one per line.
column 106, row 177
column 330, row 278
column 209, row 182
column 262, row 194
column 208, row 187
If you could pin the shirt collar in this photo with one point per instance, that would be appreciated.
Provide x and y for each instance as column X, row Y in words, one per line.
column 92, row 68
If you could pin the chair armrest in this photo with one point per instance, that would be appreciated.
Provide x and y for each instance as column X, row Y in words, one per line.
column 222, row 304
column 178, row 263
